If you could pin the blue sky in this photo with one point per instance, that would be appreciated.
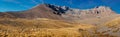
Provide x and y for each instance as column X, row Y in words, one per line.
column 19, row 5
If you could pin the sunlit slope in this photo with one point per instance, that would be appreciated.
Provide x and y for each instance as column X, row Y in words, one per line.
column 114, row 22
column 112, row 27
column 98, row 21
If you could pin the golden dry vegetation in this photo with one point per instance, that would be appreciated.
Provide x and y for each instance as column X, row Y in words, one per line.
column 43, row 27
column 38, row 28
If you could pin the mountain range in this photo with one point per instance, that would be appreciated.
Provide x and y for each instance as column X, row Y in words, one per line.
column 51, row 11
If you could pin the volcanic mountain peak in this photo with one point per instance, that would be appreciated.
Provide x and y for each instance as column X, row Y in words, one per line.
column 60, row 9
column 46, row 5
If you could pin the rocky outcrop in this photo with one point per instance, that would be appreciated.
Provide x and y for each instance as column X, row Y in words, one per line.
column 96, row 12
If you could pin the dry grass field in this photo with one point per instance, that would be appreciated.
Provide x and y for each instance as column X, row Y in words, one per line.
column 43, row 27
